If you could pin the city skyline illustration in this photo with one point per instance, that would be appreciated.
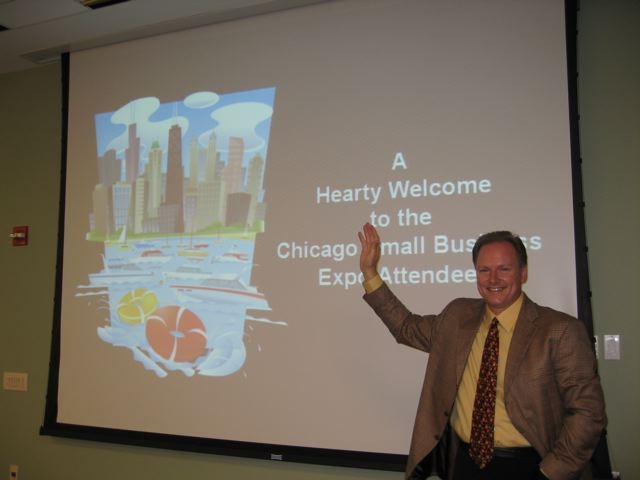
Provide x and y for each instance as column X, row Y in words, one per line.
column 183, row 166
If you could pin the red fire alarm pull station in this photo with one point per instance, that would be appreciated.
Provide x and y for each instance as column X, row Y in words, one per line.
column 20, row 236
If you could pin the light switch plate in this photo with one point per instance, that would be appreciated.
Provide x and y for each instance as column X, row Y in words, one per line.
column 612, row 347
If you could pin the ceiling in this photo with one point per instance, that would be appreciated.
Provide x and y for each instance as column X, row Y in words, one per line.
column 38, row 31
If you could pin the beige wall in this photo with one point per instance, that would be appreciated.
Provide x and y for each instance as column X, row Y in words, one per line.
column 30, row 129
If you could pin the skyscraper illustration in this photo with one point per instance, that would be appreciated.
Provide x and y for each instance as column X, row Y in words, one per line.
column 132, row 155
column 175, row 176
column 233, row 169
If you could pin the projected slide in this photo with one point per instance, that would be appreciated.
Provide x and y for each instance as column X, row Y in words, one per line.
column 178, row 223
column 215, row 183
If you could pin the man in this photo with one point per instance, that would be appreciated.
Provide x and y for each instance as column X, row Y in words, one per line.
column 547, row 412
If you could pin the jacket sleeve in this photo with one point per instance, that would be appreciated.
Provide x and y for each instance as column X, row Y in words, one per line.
column 406, row 327
column 583, row 412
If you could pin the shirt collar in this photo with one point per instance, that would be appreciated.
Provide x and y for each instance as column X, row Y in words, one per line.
column 507, row 318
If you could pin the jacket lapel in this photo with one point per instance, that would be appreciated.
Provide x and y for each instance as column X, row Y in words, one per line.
column 467, row 331
column 522, row 335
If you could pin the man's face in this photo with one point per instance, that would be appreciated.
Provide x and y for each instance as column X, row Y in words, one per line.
column 499, row 275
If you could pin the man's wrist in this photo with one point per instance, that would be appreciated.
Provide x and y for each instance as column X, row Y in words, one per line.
column 372, row 284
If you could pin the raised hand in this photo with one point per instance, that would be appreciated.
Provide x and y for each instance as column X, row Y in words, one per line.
column 370, row 251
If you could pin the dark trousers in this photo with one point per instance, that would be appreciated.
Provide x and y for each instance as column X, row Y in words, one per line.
column 507, row 464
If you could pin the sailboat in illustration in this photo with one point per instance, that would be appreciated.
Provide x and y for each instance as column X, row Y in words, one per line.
column 122, row 241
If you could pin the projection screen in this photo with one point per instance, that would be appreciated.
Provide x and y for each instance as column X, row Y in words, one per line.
column 209, row 295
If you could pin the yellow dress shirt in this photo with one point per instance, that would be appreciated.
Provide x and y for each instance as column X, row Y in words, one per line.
column 505, row 434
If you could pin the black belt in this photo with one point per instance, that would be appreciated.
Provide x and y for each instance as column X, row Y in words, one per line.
column 515, row 452
column 511, row 452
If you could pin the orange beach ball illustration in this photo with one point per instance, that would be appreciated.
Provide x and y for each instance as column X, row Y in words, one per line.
column 176, row 334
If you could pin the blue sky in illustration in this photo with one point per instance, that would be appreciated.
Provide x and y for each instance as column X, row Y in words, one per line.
column 244, row 114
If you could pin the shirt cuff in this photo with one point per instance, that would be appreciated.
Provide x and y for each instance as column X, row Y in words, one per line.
column 372, row 284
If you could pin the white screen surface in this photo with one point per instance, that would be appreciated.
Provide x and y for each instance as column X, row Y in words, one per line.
column 437, row 121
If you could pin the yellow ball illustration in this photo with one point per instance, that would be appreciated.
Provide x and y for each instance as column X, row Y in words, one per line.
column 135, row 306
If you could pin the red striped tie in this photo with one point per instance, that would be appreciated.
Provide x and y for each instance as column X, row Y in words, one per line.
column 484, row 406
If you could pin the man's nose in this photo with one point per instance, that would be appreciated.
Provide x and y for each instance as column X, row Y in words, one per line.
column 493, row 276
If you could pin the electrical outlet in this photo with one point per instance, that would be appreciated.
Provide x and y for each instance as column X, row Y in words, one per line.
column 13, row 472
column 15, row 381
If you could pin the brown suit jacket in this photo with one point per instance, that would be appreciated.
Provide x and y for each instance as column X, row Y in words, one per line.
column 552, row 390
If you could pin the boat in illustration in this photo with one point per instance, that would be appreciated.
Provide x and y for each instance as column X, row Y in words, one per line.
column 151, row 257
column 192, row 252
column 222, row 288
column 188, row 272
column 231, row 257
column 121, row 273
